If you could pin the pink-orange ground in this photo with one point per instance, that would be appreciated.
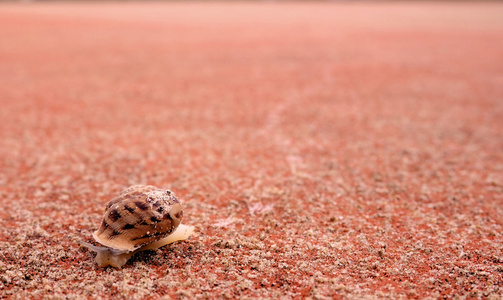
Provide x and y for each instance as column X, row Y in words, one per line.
column 323, row 150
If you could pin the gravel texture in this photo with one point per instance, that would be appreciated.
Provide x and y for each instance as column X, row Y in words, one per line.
column 322, row 150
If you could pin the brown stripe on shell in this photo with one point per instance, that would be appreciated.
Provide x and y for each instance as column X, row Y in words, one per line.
column 129, row 208
column 114, row 215
column 114, row 233
column 148, row 235
column 141, row 205
column 128, row 226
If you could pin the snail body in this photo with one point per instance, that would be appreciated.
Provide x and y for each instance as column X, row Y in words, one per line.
column 142, row 217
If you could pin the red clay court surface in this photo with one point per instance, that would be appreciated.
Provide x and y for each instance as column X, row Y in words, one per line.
column 322, row 150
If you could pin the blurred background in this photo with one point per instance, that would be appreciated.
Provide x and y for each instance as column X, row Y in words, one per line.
column 321, row 149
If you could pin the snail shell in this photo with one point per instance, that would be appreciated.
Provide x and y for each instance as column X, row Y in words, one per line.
column 141, row 217
column 138, row 216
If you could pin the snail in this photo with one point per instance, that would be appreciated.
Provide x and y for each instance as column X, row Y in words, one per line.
column 142, row 217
